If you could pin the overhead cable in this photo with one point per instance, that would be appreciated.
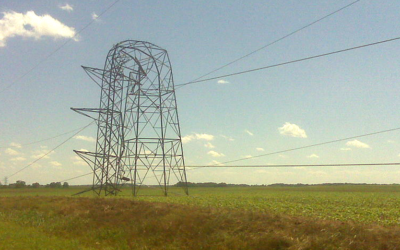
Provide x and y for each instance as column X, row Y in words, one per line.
column 291, row 62
column 309, row 146
column 299, row 165
column 50, row 151
column 277, row 40
column 49, row 138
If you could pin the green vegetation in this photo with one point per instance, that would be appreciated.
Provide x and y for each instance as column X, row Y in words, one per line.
column 278, row 217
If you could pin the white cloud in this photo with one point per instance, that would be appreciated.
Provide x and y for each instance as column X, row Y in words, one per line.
column 345, row 149
column 85, row 138
column 42, row 153
column 78, row 161
column 313, row 156
column 209, row 145
column 67, row 7
column 187, row 138
column 216, row 163
column 36, row 166
column 248, row 132
column 55, row 163
column 15, row 145
column 260, row 149
column 222, row 81
column 83, row 150
column 95, row 16
column 248, row 156
column 205, row 137
column 357, row 144
column 18, row 159
column 215, row 154
column 292, row 130
column 11, row 151
column 31, row 25
column 227, row 137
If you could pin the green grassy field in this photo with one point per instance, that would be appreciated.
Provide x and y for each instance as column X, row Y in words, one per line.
column 309, row 217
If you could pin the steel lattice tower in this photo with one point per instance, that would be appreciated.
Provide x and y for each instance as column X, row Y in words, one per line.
column 138, row 133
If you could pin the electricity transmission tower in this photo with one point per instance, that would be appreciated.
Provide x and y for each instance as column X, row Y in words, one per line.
column 138, row 132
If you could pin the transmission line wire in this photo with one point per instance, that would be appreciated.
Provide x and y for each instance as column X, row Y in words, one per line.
column 309, row 146
column 299, row 165
column 189, row 168
column 293, row 61
column 49, row 152
column 57, row 49
column 76, row 177
column 276, row 41
column 49, row 138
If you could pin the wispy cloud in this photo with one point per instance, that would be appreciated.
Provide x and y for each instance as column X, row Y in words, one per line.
column 15, row 145
column 260, row 149
column 313, row 156
column 67, row 7
column 215, row 154
column 292, row 130
column 227, row 138
column 192, row 137
column 222, row 81
column 357, row 144
column 345, row 149
column 216, row 163
column 18, row 159
column 11, row 151
column 209, row 145
column 55, row 163
column 248, row 132
column 31, row 25
column 76, row 160
column 42, row 153
column 85, row 138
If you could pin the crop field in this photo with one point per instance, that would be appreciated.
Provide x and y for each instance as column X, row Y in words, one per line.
column 291, row 217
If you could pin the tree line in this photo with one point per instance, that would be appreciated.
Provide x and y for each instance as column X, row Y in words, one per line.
column 22, row 184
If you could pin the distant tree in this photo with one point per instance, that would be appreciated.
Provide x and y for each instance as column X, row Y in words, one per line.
column 65, row 185
column 20, row 184
column 35, row 185
column 54, row 185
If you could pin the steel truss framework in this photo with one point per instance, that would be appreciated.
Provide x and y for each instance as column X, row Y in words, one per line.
column 138, row 134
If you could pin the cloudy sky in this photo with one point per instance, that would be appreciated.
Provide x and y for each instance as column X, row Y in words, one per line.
column 43, row 45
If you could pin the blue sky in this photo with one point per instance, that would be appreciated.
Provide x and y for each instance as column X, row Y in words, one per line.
column 225, row 119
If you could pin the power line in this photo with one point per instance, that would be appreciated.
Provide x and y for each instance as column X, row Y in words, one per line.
column 49, row 152
column 76, row 177
column 299, row 165
column 57, row 49
column 277, row 40
column 293, row 149
column 49, row 138
column 293, row 61
column 312, row 145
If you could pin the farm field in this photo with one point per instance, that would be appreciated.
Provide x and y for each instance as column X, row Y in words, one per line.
column 307, row 217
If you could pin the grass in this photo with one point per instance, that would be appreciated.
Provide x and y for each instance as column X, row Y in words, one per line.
column 314, row 217
column 97, row 223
